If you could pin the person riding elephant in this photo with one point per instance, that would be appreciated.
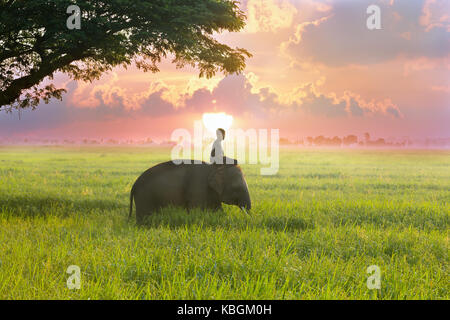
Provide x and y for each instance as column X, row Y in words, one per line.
column 217, row 150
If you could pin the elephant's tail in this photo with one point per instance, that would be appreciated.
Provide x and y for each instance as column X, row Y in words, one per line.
column 131, row 202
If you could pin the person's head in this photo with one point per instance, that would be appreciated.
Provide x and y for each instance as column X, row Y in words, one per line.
column 220, row 133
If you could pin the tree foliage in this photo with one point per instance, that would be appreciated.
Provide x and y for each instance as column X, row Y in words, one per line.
column 35, row 41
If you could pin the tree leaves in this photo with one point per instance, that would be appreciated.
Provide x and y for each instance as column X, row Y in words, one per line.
column 35, row 42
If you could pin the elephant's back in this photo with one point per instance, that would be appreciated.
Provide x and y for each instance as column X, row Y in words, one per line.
column 167, row 182
column 170, row 172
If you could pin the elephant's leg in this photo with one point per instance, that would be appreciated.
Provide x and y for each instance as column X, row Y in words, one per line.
column 143, row 210
column 140, row 215
column 192, row 201
column 214, row 205
column 199, row 204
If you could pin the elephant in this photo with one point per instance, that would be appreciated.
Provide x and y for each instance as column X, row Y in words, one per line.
column 185, row 184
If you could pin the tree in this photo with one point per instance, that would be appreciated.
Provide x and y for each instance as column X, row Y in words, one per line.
column 350, row 139
column 319, row 140
column 336, row 141
column 36, row 42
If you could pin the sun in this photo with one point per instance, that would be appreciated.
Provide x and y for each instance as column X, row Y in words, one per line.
column 212, row 121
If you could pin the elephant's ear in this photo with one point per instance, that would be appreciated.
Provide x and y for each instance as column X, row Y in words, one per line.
column 216, row 178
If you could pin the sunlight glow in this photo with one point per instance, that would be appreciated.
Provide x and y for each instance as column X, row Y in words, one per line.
column 212, row 121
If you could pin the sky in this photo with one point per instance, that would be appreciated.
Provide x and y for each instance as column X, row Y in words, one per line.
column 317, row 69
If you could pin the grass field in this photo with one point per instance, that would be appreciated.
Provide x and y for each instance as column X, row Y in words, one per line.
column 314, row 229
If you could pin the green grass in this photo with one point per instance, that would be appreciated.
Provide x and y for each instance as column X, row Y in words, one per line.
column 314, row 229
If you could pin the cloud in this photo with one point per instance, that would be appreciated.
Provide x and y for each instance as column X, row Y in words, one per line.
column 423, row 63
column 342, row 38
column 435, row 14
column 441, row 88
column 269, row 15
column 234, row 95
column 310, row 101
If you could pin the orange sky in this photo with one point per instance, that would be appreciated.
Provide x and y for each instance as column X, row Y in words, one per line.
column 316, row 69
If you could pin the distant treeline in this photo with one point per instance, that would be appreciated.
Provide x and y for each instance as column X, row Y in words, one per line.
column 346, row 141
column 352, row 140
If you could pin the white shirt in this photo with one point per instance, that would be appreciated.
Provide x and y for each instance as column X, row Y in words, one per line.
column 217, row 147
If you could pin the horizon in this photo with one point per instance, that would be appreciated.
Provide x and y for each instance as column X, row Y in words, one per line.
column 359, row 141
